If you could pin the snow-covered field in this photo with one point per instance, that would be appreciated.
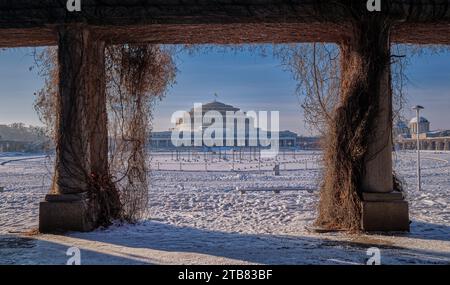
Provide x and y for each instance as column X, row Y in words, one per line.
column 201, row 217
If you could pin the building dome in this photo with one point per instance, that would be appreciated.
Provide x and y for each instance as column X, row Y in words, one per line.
column 424, row 125
column 216, row 106
column 422, row 120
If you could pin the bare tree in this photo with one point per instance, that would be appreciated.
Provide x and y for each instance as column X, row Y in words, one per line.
column 316, row 69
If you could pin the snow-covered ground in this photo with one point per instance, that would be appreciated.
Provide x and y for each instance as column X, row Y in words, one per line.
column 201, row 217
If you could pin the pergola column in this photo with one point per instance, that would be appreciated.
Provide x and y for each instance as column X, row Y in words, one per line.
column 366, row 76
column 82, row 138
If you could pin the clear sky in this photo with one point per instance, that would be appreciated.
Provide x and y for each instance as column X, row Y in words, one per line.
column 244, row 79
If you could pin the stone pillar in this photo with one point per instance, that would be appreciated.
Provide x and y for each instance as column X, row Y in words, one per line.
column 366, row 69
column 378, row 169
column 97, row 115
column 82, row 140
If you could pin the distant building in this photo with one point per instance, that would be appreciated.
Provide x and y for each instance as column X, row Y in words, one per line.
column 288, row 139
column 19, row 138
column 424, row 126
column 309, row 143
column 13, row 146
column 406, row 138
column 161, row 140
column 209, row 107
column 158, row 140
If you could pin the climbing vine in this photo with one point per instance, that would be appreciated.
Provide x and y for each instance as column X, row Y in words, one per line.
column 136, row 77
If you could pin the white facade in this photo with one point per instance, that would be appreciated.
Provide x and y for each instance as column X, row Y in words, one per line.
column 424, row 126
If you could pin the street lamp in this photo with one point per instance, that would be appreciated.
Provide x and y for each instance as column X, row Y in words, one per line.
column 418, row 108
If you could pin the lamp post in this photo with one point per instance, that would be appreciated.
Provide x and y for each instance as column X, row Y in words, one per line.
column 418, row 108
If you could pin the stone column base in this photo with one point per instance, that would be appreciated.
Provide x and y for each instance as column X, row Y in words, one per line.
column 66, row 212
column 385, row 212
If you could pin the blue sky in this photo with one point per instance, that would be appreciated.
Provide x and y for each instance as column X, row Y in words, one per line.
column 244, row 79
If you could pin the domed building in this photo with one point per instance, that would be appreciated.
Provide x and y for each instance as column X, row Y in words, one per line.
column 215, row 106
column 429, row 140
column 424, row 125
column 286, row 138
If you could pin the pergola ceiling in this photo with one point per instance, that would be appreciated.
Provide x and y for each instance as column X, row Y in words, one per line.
column 34, row 22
